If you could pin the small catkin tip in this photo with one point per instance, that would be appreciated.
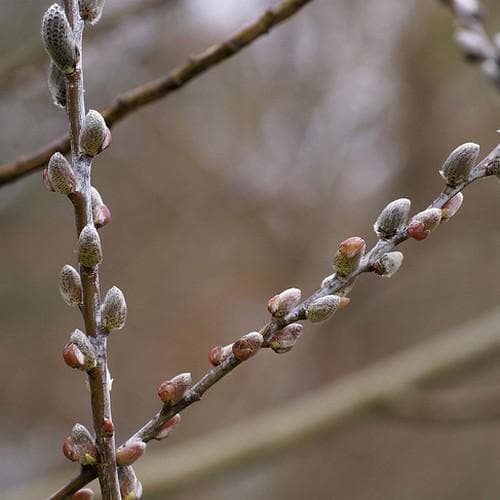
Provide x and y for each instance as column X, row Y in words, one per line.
column 247, row 346
column 95, row 135
column 451, row 207
column 392, row 218
column 388, row 264
column 85, row 494
column 130, row 452
column 168, row 427
column 173, row 390
column 457, row 166
column 89, row 247
column 423, row 223
column 70, row 286
column 80, row 340
column 60, row 174
column 91, row 10
column 280, row 305
column 57, row 85
column 322, row 308
column 58, row 39
column 114, row 310
column 284, row 340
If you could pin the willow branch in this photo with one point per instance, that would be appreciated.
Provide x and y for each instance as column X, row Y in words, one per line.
column 335, row 284
column 99, row 380
column 134, row 99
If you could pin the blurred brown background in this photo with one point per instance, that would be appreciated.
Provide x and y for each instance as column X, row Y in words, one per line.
column 237, row 186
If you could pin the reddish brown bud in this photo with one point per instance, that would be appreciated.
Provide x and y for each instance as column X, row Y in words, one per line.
column 247, row 346
column 172, row 391
column 283, row 340
column 82, row 342
column 85, row 494
column 130, row 486
column 422, row 224
column 451, row 207
column 280, row 305
column 219, row 353
column 69, row 450
column 349, row 255
column 84, row 445
column 130, row 452
column 168, row 427
column 108, row 426
column 73, row 357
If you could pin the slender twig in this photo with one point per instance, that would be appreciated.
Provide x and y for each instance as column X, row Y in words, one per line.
column 134, row 99
column 337, row 284
column 99, row 379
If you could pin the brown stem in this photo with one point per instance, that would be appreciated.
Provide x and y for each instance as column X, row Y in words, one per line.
column 150, row 430
column 134, row 99
column 99, row 379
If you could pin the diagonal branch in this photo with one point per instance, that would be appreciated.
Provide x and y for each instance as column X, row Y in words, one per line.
column 336, row 284
column 134, row 99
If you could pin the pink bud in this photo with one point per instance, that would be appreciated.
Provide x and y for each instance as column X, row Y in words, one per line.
column 451, row 207
column 172, row 391
column 108, row 426
column 422, row 224
column 280, row 305
column 130, row 452
column 219, row 353
column 349, row 255
column 85, row 494
column 168, row 427
column 283, row 340
column 69, row 450
column 247, row 346
column 73, row 357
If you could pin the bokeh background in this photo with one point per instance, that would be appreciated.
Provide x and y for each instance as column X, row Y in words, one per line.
column 238, row 186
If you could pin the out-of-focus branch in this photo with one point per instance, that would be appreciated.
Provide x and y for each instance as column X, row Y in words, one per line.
column 325, row 410
column 472, row 39
column 134, row 99
column 392, row 228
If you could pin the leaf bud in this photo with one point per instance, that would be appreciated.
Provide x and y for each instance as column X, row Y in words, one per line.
column 128, row 453
column 219, row 353
column 173, row 390
column 324, row 307
column 58, row 39
column 84, row 494
column 73, row 357
column 451, row 207
column 130, row 486
column 168, row 427
column 114, row 310
column 84, row 445
column 69, row 450
column 457, row 166
column 81, row 341
column 349, row 255
column 89, row 247
column 388, row 264
column 423, row 223
column 91, row 10
column 280, row 305
column 70, row 286
column 57, row 85
column 60, row 174
column 392, row 218
column 247, row 346
column 100, row 212
column 283, row 340
column 95, row 135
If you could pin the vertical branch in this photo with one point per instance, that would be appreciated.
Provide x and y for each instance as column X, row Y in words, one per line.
column 99, row 378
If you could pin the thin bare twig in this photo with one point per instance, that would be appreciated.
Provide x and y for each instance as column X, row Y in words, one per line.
column 136, row 98
column 337, row 284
